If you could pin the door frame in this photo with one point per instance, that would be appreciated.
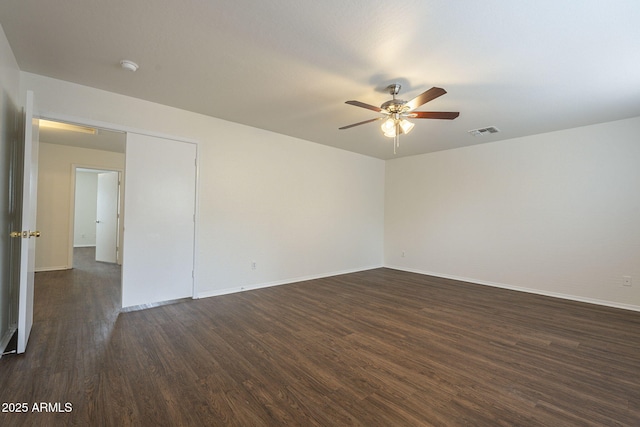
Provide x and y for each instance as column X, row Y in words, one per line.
column 129, row 129
column 72, row 208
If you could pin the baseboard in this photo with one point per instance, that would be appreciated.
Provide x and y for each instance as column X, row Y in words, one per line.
column 84, row 246
column 43, row 269
column 226, row 291
column 576, row 298
column 152, row 305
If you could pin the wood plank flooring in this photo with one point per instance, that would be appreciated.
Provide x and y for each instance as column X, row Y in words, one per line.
column 376, row 348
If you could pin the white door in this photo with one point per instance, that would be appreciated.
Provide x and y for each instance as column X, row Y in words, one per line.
column 107, row 217
column 29, row 233
column 159, row 227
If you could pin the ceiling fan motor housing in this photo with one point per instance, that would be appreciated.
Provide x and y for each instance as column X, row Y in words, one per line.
column 395, row 106
column 394, row 89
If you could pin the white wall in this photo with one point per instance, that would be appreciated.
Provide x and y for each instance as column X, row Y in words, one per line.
column 295, row 208
column 554, row 213
column 55, row 197
column 86, row 203
column 9, row 101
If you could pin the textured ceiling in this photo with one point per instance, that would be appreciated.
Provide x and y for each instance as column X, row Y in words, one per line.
column 288, row 66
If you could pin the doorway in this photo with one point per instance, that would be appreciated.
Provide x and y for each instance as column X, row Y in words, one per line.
column 170, row 177
column 62, row 152
column 158, row 204
column 97, row 213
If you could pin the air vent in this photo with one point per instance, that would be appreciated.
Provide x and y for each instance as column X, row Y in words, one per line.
column 484, row 131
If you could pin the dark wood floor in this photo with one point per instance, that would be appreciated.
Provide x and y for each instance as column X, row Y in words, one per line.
column 377, row 348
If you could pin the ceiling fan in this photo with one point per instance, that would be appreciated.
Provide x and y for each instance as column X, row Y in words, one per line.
column 395, row 112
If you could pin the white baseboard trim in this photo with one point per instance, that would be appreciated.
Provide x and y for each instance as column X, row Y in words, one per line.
column 84, row 246
column 43, row 269
column 218, row 292
column 577, row 298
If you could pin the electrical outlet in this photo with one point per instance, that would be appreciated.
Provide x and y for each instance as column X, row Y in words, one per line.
column 626, row 280
column 253, row 265
column 402, row 254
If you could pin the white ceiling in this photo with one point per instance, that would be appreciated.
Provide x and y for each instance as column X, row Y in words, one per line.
column 288, row 66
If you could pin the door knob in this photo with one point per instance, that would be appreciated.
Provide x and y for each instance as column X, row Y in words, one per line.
column 24, row 234
column 97, row 222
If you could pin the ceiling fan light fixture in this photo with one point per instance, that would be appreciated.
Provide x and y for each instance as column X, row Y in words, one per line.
column 406, row 126
column 389, row 127
column 396, row 126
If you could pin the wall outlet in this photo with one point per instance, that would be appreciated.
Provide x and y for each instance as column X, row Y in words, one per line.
column 253, row 265
column 626, row 280
column 402, row 254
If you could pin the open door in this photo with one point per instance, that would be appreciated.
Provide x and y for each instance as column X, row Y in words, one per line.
column 107, row 217
column 27, row 233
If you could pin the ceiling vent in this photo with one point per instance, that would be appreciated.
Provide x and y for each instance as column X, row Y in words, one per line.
column 484, row 131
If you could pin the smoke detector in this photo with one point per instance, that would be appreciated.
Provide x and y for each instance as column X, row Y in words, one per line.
column 484, row 131
column 128, row 65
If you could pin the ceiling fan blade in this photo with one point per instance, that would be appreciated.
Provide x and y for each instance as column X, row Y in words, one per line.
column 363, row 105
column 360, row 123
column 445, row 115
column 425, row 97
